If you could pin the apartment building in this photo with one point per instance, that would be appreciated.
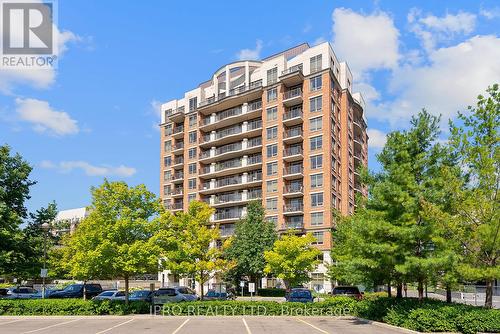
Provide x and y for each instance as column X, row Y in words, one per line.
column 287, row 130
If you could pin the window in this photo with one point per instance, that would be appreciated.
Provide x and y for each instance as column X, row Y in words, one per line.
column 192, row 184
column 316, row 218
column 193, row 104
column 315, row 104
column 272, row 114
column 316, row 161
column 166, row 190
column 167, row 147
column 192, row 137
column 272, row 219
column 272, row 150
column 316, row 143
column 192, row 153
column 272, row 75
column 167, row 175
column 319, row 238
column 192, row 120
column 316, row 180
column 315, row 83
column 272, row 168
column 316, row 199
column 191, row 197
column 272, row 204
column 316, row 123
column 192, row 168
column 272, row 133
column 315, row 63
column 272, row 94
column 272, row 186
column 167, row 161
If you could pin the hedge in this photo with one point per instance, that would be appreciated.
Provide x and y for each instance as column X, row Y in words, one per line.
column 426, row 316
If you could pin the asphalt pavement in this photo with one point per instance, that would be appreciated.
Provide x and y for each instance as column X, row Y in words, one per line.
column 191, row 325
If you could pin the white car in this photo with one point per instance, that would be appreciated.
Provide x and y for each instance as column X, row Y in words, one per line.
column 110, row 295
column 174, row 295
column 22, row 292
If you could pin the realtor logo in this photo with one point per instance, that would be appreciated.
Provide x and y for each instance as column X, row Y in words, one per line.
column 28, row 34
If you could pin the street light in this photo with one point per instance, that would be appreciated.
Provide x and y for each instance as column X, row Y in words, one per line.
column 45, row 228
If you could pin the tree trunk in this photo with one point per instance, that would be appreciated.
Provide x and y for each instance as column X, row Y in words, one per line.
column 84, row 290
column 399, row 290
column 489, row 294
column 420, row 289
column 126, row 289
column 389, row 292
column 448, row 294
column 201, row 286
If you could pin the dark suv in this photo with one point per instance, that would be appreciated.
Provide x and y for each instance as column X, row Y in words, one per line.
column 349, row 291
column 76, row 291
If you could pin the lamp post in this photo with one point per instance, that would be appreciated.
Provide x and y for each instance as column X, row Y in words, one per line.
column 45, row 228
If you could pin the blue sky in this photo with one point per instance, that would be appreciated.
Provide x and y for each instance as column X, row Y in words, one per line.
column 96, row 115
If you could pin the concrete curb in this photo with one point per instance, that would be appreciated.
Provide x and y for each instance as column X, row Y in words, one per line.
column 384, row 325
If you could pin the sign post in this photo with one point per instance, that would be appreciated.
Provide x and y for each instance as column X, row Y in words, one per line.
column 251, row 289
column 242, row 285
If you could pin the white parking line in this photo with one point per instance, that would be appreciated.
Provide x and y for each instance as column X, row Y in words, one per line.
column 110, row 328
column 55, row 325
column 246, row 326
column 179, row 328
column 316, row 328
column 9, row 322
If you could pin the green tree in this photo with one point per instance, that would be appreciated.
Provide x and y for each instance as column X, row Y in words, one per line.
column 116, row 239
column 253, row 236
column 474, row 221
column 36, row 242
column 14, row 191
column 190, row 244
column 292, row 258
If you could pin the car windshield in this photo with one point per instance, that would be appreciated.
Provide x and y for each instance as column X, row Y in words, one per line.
column 107, row 293
column 345, row 291
column 73, row 288
column 212, row 294
column 137, row 294
column 300, row 294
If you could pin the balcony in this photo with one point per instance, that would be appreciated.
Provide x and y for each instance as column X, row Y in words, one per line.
column 294, row 225
column 293, row 116
column 293, row 172
column 230, row 183
column 177, row 115
column 177, row 177
column 178, row 131
column 227, row 230
column 178, row 161
column 234, row 97
column 232, row 166
column 178, row 147
column 292, row 97
column 292, row 76
column 227, row 215
column 293, row 135
column 227, row 199
column 177, row 192
column 293, row 208
column 293, row 153
column 176, row 206
column 293, row 190
column 233, row 133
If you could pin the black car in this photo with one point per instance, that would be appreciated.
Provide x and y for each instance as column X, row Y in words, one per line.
column 76, row 291
column 300, row 295
column 348, row 291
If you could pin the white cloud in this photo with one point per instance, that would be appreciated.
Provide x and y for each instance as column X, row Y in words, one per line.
column 44, row 118
column 88, row 169
column 367, row 42
column 251, row 54
column 431, row 29
column 376, row 138
column 450, row 81
column 491, row 13
column 156, row 107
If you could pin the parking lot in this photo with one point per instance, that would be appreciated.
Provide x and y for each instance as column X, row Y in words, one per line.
column 192, row 325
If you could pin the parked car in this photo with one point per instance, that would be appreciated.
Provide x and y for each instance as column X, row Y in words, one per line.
column 140, row 295
column 22, row 292
column 174, row 295
column 110, row 295
column 301, row 295
column 76, row 291
column 349, row 291
column 48, row 292
column 214, row 295
column 3, row 292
